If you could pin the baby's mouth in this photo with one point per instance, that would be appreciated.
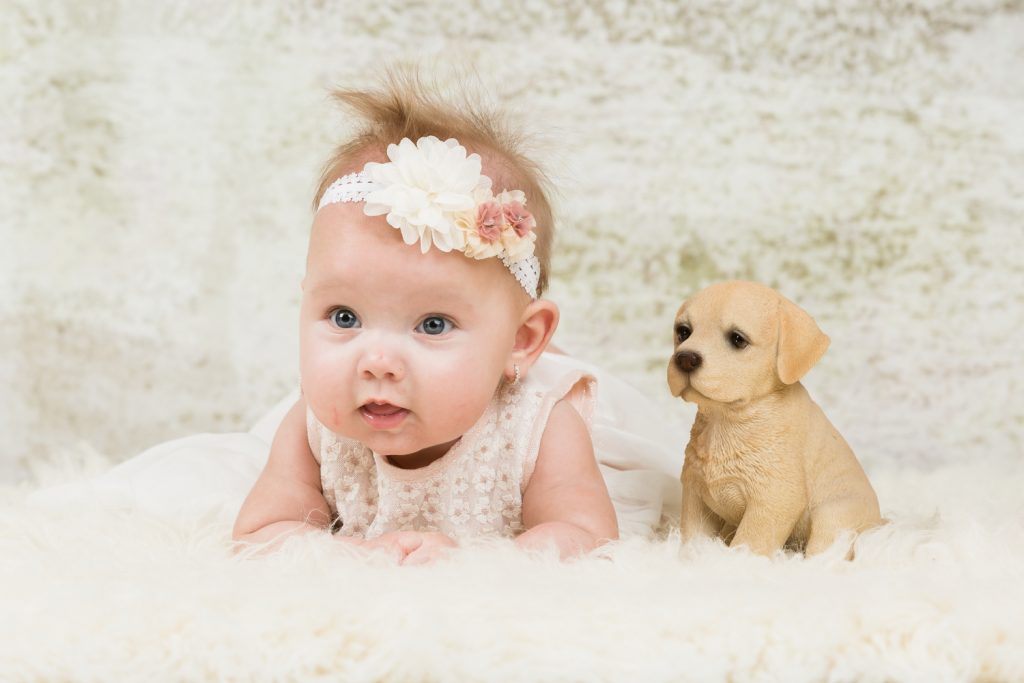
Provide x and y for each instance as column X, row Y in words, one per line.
column 382, row 415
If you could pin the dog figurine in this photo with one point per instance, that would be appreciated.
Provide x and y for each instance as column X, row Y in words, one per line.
column 764, row 467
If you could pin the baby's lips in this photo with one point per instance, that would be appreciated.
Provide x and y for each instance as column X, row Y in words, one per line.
column 383, row 416
column 382, row 409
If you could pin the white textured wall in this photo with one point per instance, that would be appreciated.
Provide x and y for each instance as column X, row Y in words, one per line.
column 157, row 161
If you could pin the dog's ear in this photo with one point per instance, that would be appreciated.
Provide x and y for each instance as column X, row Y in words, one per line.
column 801, row 342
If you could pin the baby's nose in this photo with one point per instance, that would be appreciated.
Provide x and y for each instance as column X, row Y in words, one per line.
column 688, row 361
column 381, row 361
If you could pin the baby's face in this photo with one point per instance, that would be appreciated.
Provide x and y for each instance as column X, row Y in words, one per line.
column 400, row 350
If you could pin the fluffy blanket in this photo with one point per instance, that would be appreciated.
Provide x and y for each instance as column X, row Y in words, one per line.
column 97, row 595
column 867, row 158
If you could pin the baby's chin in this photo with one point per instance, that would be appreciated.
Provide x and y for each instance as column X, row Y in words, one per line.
column 406, row 444
column 416, row 458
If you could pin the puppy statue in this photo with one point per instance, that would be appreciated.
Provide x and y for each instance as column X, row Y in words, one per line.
column 764, row 467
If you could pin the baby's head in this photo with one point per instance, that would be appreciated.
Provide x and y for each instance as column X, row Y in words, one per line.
column 428, row 253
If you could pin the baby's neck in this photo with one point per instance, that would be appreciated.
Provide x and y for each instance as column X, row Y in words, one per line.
column 414, row 461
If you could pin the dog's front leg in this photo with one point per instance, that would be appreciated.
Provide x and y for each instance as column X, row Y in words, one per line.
column 766, row 526
column 697, row 519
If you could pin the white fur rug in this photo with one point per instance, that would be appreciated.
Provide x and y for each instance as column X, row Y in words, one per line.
column 935, row 596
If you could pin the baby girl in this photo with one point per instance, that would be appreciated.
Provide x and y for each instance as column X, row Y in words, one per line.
column 421, row 420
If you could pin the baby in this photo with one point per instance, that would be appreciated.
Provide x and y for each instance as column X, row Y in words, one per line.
column 420, row 422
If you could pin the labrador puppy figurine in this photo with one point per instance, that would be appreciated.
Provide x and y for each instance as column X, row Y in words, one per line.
column 764, row 467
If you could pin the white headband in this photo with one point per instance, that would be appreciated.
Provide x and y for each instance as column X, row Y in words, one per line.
column 435, row 194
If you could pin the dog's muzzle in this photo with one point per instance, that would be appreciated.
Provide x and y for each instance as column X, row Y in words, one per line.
column 687, row 361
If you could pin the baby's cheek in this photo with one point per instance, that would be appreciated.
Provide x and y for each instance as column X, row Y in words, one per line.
column 321, row 382
column 463, row 387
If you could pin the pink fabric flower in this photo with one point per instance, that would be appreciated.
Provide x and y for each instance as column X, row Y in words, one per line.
column 519, row 218
column 488, row 222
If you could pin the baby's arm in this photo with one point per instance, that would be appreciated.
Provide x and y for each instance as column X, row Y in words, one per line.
column 287, row 498
column 566, row 503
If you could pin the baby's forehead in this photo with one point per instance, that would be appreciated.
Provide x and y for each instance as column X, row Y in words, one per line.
column 348, row 248
column 344, row 227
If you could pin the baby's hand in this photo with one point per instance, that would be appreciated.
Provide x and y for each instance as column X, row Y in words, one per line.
column 434, row 546
column 413, row 547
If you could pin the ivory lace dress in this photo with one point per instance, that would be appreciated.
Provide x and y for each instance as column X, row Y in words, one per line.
column 475, row 489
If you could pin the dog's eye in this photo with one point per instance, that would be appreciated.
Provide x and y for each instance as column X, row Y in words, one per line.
column 682, row 333
column 738, row 341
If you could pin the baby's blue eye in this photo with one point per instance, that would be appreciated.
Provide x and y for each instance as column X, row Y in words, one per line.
column 344, row 318
column 435, row 325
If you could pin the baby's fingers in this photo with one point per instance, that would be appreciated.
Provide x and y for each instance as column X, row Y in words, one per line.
column 434, row 538
column 399, row 543
column 422, row 556
column 428, row 553
column 389, row 548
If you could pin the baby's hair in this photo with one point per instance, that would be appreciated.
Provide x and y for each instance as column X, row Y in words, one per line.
column 403, row 106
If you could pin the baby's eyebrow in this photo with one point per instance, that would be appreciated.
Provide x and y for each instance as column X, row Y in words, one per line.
column 327, row 285
column 429, row 297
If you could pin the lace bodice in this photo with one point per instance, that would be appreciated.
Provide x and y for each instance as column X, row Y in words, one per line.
column 474, row 489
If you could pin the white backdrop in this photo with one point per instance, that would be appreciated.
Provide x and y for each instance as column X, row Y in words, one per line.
column 157, row 162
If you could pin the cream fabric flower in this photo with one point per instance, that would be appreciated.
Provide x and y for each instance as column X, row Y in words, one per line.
column 518, row 248
column 424, row 188
column 518, row 235
column 483, row 231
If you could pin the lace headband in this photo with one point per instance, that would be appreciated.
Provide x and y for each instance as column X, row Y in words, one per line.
column 435, row 194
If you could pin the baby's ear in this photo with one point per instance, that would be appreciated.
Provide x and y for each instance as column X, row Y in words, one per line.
column 537, row 324
column 801, row 342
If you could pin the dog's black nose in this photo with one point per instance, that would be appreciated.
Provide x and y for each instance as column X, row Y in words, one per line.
column 688, row 361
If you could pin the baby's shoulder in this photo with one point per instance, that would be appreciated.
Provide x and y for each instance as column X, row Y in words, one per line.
column 566, row 430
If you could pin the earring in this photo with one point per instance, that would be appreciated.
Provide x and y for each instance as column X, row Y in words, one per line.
column 516, row 380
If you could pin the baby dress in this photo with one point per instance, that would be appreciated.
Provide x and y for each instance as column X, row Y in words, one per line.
column 639, row 452
column 475, row 489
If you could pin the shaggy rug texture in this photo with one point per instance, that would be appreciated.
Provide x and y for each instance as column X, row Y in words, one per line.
column 124, row 595
column 157, row 162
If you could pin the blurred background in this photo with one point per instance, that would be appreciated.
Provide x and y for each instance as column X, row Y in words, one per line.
column 158, row 161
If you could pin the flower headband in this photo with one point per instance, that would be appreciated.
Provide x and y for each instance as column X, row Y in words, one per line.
column 435, row 194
